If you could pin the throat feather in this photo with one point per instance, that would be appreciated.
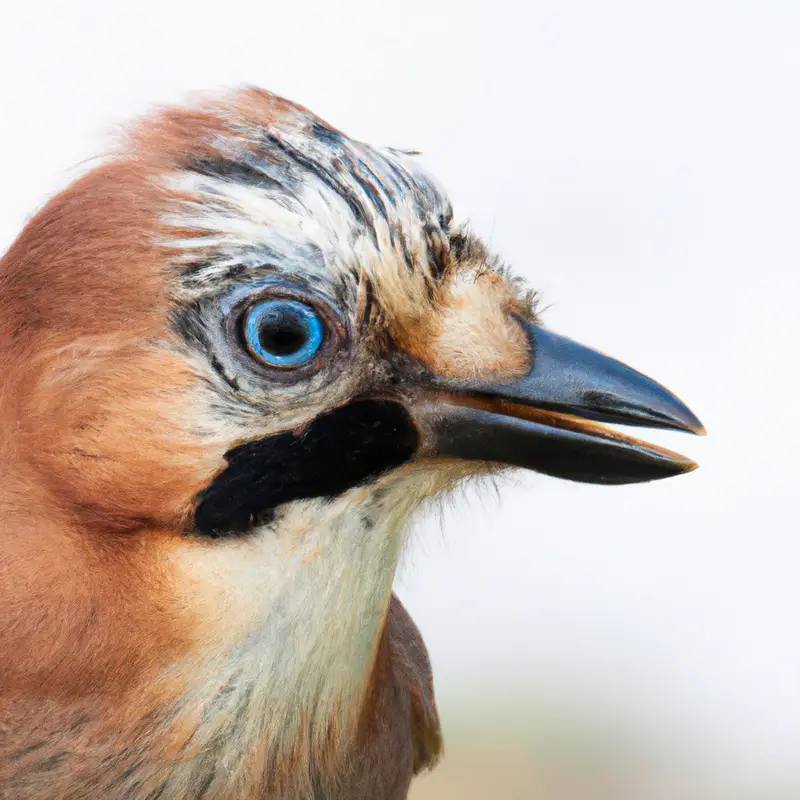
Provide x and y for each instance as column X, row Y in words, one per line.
column 295, row 613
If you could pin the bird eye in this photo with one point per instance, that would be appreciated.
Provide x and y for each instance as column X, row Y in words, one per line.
column 283, row 333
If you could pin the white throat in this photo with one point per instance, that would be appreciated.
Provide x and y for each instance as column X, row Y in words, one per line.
column 292, row 616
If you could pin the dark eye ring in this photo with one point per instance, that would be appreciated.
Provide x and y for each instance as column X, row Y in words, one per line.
column 283, row 333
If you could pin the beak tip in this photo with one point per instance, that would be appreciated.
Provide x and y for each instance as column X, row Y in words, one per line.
column 686, row 420
column 695, row 427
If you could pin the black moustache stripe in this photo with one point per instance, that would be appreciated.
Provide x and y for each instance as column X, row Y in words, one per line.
column 347, row 447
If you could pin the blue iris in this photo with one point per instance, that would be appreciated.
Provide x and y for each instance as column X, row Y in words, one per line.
column 283, row 333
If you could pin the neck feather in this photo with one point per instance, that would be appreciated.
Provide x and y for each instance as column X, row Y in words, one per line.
column 291, row 620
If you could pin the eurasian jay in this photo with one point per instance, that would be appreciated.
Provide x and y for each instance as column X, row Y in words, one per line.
column 238, row 356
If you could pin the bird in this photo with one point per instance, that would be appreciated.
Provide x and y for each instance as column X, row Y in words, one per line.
column 240, row 352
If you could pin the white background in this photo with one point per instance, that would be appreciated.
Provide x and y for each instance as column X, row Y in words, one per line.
column 639, row 163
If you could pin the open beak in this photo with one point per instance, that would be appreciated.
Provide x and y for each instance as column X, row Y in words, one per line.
column 549, row 420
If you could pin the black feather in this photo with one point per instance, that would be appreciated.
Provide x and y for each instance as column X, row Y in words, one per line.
column 349, row 446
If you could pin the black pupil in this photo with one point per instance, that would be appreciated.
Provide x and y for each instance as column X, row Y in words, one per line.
column 282, row 332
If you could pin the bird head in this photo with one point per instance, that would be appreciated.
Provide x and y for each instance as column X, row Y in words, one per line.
column 238, row 355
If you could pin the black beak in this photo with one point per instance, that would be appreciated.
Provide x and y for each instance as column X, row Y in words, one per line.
column 547, row 420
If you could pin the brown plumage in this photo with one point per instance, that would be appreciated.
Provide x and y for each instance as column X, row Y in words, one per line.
column 200, row 534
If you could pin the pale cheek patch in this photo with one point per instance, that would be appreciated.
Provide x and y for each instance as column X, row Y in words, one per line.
column 474, row 335
column 124, row 432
